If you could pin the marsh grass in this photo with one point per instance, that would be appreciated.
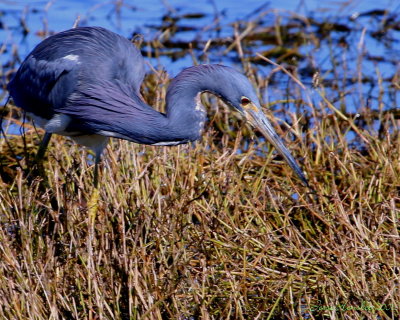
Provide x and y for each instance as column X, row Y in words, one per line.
column 219, row 229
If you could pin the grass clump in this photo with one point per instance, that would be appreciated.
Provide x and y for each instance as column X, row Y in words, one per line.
column 219, row 229
column 202, row 231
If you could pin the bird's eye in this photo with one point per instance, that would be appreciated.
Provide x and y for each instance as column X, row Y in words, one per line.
column 245, row 101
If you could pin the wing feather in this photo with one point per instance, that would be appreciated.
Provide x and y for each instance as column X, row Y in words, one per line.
column 40, row 86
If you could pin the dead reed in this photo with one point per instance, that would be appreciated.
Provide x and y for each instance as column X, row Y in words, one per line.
column 220, row 229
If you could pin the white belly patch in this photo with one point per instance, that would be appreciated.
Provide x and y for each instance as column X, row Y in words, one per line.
column 60, row 122
column 57, row 124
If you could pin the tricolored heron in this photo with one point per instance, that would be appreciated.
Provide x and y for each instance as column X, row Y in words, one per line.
column 85, row 83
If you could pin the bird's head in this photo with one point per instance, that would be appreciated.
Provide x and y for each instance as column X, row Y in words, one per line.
column 237, row 91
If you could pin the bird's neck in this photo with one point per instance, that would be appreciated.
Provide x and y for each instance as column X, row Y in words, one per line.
column 185, row 113
column 186, row 116
column 124, row 115
column 183, row 122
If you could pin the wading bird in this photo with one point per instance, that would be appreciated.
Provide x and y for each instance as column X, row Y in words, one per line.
column 85, row 83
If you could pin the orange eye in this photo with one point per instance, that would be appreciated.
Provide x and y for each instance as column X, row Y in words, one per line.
column 245, row 101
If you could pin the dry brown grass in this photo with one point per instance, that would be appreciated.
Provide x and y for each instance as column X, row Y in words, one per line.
column 204, row 232
column 221, row 229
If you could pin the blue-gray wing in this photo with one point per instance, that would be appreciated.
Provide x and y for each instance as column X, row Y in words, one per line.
column 40, row 86
column 62, row 63
column 112, row 109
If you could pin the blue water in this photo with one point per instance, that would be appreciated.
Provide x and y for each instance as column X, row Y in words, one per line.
column 129, row 17
column 138, row 16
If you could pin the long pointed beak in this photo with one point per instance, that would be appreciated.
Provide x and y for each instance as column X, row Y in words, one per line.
column 259, row 121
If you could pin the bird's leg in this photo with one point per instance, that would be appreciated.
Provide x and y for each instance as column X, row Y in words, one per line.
column 93, row 202
column 43, row 146
column 37, row 169
column 93, row 206
column 96, row 170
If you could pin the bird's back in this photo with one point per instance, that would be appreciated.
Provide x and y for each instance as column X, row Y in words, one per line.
column 62, row 63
